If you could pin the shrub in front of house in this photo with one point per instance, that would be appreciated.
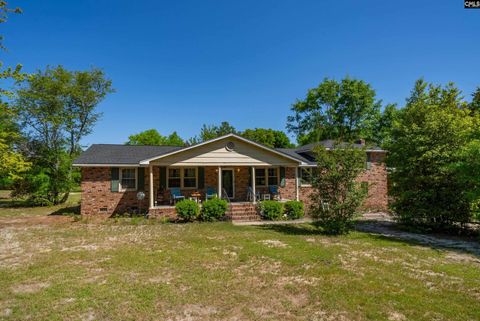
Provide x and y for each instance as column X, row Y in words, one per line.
column 337, row 196
column 271, row 210
column 213, row 209
column 187, row 210
column 294, row 209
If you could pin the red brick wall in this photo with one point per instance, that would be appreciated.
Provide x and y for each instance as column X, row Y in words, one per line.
column 163, row 212
column 376, row 176
column 97, row 197
column 288, row 191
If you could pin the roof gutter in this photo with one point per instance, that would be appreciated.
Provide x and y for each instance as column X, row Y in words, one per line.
column 106, row 165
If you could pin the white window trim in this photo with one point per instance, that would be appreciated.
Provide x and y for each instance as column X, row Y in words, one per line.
column 300, row 176
column 120, row 187
column 266, row 176
column 182, row 173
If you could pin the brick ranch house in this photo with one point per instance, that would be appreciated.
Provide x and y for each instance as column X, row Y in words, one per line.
column 112, row 175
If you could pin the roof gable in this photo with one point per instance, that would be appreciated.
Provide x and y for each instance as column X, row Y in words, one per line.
column 216, row 152
column 135, row 155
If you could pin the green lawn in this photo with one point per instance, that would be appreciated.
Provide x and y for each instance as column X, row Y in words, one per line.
column 18, row 207
column 144, row 270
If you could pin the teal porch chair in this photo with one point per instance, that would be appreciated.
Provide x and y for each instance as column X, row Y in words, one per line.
column 273, row 190
column 210, row 193
column 176, row 195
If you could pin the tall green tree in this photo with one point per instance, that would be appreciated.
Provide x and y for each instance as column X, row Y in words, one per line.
column 345, row 110
column 213, row 131
column 426, row 141
column 153, row 137
column 84, row 90
column 474, row 105
column 12, row 162
column 208, row 132
column 147, row 137
column 468, row 170
column 383, row 128
column 56, row 109
column 268, row 137
column 175, row 140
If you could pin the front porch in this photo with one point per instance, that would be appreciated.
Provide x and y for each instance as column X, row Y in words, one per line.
column 233, row 183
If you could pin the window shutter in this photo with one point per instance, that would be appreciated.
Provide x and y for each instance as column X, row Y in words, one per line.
column 141, row 178
column 282, row 177
column 163, row 177
column 201, row 177
column 114, row 179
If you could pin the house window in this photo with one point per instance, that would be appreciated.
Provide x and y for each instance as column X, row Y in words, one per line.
column 128, row 179
column 174, row 177
column 264, row 176
column 306, row 176
column 273, row 176
column 260, row 178
column 182, row 177
column 189, row 177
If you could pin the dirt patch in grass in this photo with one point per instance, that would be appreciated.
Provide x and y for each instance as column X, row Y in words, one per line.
column 396, row 316
column 34, row 220
column 29, row 288
column 274, row 243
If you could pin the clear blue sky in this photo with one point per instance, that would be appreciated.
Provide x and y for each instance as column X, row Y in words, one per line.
column 179, row 64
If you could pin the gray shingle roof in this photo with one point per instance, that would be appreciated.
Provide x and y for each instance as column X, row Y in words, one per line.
column 330, row 143
column 303, row 153
column 300, row 156
column 121, row 154
column 99, row 154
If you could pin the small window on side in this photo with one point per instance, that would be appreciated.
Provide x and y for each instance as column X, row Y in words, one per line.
column 306, row 177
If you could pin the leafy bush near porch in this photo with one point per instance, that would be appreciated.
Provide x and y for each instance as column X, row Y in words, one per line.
column 213, row 209
column 294, row 209
column 187, row 210
column 271, row 210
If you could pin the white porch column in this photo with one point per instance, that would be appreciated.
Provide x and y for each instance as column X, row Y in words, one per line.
column 253, row 185
column 297, row 184
column 150, row 182
column 219, row 182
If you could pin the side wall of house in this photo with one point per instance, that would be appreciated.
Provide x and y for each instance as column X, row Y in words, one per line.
column 97, row 197
column 376, row 176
